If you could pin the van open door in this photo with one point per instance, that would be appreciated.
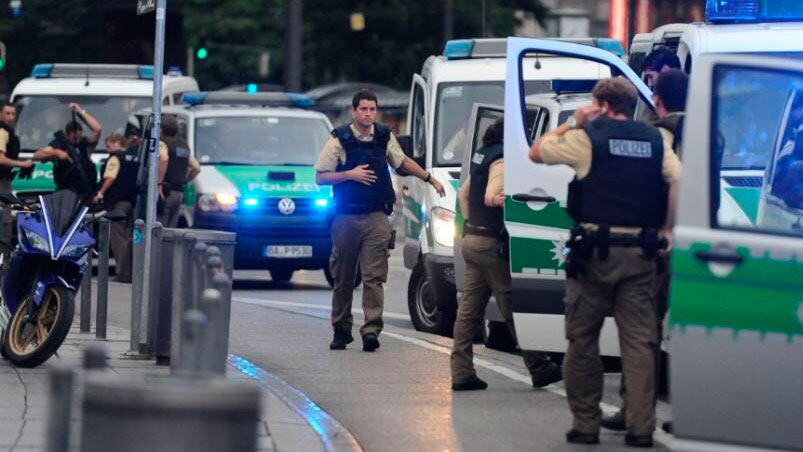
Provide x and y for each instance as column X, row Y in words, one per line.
column 736, row 312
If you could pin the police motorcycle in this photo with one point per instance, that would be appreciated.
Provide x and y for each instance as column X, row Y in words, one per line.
column 39, row 277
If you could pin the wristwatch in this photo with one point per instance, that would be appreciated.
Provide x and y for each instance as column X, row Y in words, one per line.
column 571, row 122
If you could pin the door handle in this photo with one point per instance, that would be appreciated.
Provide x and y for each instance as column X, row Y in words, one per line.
column 524, row 197
column 721, row 257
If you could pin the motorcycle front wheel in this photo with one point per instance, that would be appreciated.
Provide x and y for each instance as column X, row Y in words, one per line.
column 29, row 342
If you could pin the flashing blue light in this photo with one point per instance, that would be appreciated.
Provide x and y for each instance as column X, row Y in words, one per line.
column 251, row 88
column 457, row 49
column 300, row 100
column 573, row 86
column 174, row 71
column 747, row 11
column 196, row 98
column 321, row 202
column 145, row 72
column 42, row 71
column 611, row 45
column 251, row 202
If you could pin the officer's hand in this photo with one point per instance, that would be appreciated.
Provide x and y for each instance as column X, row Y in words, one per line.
column 585, row 114
column 438, row 186
column 26, row 164
column 667, row 234
column 160, row 192
column 499, row 199
column 362, row 175
column 74, row 107
column 98, row 198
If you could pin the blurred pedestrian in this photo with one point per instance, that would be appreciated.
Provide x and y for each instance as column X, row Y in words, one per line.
column 485, row 250
column 622, row 200
column 9, row 159
column 355, row 162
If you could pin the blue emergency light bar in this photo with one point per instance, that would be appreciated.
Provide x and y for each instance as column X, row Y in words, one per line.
column 116, row 71
column 462, row 49
column 753, row 11
column 573, row 86
column 252, row 99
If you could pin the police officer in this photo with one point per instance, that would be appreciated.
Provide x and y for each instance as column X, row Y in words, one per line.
column 9, row 152
column 118, row 193
column 70, row 150
column 623, row 199
column 355, row 162
column 484, row 249
column 177, row 166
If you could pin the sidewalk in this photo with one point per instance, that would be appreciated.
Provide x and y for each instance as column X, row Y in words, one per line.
column 24, row 395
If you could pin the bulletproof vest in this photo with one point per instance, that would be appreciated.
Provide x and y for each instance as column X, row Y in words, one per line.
column 12, row 150
column 179, row 152
column 356, row 198
column 124, row 187
column 625, row 186
column 79, row 175
column 491, row 218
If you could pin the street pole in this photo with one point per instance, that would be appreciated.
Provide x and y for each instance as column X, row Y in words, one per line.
column 292, row 49
column 153, row 150
column 448, row 20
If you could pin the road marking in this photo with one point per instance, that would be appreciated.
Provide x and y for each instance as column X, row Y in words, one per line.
column 659, row 435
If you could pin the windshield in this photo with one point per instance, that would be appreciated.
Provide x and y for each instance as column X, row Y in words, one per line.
column 261, row 140
column 39, row 117
column 455, row 101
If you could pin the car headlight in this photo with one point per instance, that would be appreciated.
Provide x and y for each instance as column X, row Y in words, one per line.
column 443, row 226
column 75, row 251
column 217, row 202
column 37, row 241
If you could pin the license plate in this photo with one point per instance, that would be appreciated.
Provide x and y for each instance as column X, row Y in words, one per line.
column 289, row 251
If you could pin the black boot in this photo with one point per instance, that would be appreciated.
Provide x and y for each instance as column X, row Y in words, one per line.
column 471, row 385
column 578, row 437
column 615, row 422
column 370, row 342
column 341, row 339
column 551, row 374
column 632, row 440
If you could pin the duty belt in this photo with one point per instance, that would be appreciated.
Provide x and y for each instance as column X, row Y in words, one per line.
column 582, row 244
column 476, row 230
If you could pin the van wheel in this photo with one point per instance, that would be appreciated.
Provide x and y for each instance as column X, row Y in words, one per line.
column 426, row 313
column 281, row 275
column 330, row 278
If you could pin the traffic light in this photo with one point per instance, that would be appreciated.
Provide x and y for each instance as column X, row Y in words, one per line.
column 202, row 53
column 251, row 88
column 2, row 55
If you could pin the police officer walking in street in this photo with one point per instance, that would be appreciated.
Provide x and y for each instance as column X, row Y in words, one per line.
column 118, row 193
column 355, row 162
column 177, row 166
column 73, row 168
column 9, row 152
column 623, row 199
column 484, row 248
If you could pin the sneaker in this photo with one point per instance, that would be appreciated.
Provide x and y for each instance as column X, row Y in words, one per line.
column 550, row 375
column 370, row 342
column 340, row 340
column 632, row 440
column 472, row 385
column 615, row 422
column 577, row 437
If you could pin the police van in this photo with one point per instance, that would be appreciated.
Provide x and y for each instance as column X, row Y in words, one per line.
column 441, row 100
column 109, row 92
column 257, row 154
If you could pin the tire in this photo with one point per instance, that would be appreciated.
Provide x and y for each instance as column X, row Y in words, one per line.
column 18, row 338
column 330, row 278
column 281, row 275
column 426, row 313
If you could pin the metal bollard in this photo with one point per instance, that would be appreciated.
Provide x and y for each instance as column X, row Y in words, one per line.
column 198, row 253
column 150, row 318
column 86, row 295
column 95, row 357
column 182, row 294
column 213, row 361
column 214, row 265
column 193, row 332
column 136, row 283
column 101, row 308
column 60, row 382
column 223, row 283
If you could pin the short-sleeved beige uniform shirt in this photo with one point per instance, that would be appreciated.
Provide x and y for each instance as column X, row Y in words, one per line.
column 334, row 154
column 3, row 140
column 192, row 163
column 112, row 168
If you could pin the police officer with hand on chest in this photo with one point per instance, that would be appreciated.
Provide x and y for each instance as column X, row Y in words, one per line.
column 622, row 199
column 177, row 166
column 9, row 153
column 484, row 248
column 355, row 162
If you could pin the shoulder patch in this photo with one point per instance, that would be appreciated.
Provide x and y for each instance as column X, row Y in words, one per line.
column 478, row 158
column 630, row 148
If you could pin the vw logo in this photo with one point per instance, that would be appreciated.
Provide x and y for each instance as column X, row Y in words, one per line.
column 287, row 206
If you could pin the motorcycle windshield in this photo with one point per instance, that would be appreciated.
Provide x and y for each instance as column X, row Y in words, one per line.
column 62, row 206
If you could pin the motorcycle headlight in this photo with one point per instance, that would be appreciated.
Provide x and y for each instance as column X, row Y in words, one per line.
column 217, row 202
column 37, row 241
column 75, row 251
column 443, row 226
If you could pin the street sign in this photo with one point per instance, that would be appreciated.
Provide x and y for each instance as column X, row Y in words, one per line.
column 145, row 6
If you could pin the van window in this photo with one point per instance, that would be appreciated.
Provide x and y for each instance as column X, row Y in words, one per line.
column 757, row 150
column 419, row 125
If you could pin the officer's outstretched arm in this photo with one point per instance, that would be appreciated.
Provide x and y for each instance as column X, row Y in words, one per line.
column 415, row 169
column 462, row 198
column 50, row 153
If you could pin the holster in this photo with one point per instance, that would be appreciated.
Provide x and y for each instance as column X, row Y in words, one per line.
column 581, row 248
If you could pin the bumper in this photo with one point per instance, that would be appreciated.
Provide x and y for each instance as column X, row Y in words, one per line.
column 440, row 271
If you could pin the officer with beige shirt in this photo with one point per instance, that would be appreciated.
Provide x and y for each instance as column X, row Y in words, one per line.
column 355, row 162
column 623, row 199
column 9, row 151
column 484, row 249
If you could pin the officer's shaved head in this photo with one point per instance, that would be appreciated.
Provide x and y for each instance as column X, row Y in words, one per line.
column 169, row 125
column 620, row 95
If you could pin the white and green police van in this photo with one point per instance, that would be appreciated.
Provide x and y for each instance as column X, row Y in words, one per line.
column 109, row 92
column 441, row 100
column 257, row 154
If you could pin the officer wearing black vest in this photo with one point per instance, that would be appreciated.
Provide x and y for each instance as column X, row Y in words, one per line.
column 484, row 248
column 70, row 151
column 118, row 193
column 177, row 166
column 355, row 162
column 9, row 152
column 623, row 199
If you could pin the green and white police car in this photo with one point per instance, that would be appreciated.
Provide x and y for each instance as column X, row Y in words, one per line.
column 257, row 154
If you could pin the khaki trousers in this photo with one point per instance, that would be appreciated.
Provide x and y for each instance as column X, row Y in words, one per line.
column 168, row 209
column 7, row 221
column 486, row 273
column 359, row 239
column 624, row 283
column 120, row 240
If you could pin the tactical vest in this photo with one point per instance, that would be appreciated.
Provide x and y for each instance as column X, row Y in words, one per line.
column 356, row 198
column 674, row 124
column 124, row 187
column 490, row 218
column 12, row 150
column 625, row 186
column 79, row 175
column 179, row 152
